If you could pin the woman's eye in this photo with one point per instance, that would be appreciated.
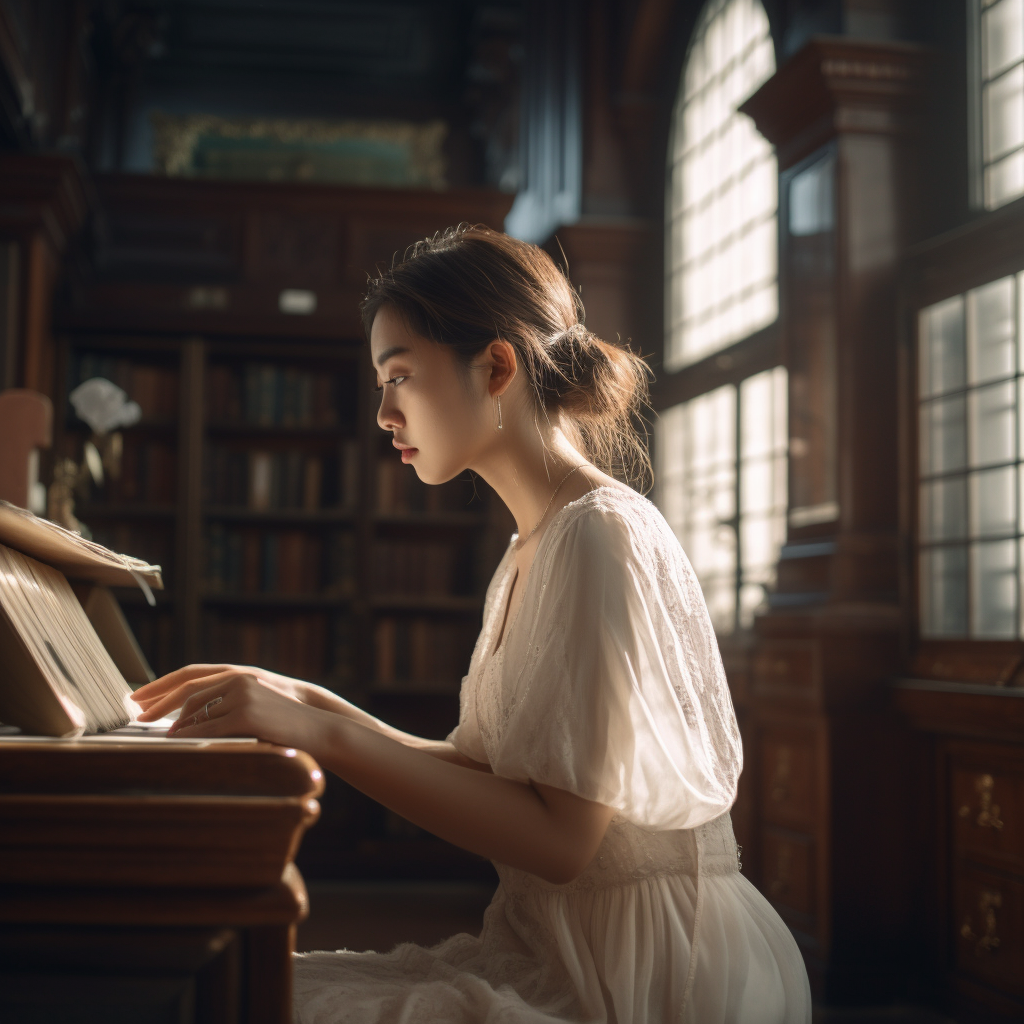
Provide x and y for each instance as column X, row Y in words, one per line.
column 390, row 380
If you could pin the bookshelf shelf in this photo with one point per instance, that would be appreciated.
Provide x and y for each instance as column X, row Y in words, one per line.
column 244, row 430
column 134, row 597
column 125, row 511
column 426, row 603
column 445, row 520
column 297, row 517
column 322, row 601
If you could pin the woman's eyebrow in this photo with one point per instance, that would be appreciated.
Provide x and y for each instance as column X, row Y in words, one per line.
column 388, row 353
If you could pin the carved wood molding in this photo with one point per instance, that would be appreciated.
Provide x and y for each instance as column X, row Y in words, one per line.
column 835, row 86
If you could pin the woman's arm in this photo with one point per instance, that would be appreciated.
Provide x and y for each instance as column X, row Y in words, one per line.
column 540, row 829
column 169, row 692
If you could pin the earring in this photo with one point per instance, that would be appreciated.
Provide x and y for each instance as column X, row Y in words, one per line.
column 500, row 425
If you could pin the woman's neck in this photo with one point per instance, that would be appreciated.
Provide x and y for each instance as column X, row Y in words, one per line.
column 526, row 465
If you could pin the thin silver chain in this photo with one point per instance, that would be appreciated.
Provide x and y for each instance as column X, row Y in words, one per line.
column 522, row 543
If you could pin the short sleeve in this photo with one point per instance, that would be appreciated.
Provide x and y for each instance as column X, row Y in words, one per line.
column 465, row 737
column 619, row 694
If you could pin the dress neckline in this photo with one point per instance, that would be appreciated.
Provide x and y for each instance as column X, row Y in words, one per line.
column 511, row 561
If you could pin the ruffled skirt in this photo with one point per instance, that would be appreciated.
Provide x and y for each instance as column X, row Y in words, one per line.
column 617, row 954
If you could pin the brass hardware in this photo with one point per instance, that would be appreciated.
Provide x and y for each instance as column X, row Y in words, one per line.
column 783, row 773
column 988, row 815
column 989, row 901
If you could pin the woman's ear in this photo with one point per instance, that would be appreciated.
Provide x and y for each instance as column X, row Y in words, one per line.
column 501, row 356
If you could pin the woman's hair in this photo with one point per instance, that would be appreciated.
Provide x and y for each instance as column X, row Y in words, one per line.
column 469, row 285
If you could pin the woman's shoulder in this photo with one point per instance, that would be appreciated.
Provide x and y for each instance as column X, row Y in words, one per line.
column 613, row 505
column 617, row 520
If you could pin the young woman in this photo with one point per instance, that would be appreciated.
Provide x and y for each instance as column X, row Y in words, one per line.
column 596, row 754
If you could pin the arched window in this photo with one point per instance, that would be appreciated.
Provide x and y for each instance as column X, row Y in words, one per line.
column 722, row 453
column 722, row 236
column 997, row 56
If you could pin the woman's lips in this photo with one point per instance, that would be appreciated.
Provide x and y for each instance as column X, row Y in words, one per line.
column 407, row 451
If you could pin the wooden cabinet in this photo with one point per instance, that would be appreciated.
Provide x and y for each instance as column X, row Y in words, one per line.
column 976, row 842
column 174, row 898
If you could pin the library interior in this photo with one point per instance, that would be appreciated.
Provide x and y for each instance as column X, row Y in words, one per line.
column 807, row 216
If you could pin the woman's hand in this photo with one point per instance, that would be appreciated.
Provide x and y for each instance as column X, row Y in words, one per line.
column 235, row 702
column 170, row 692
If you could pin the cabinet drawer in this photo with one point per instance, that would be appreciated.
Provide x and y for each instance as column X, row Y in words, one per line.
column 987, row 807
column 789, row 872
column 990, row 928
column 789, row 777
column 788, row 669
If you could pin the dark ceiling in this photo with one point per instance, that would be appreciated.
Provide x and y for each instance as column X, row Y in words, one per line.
column 453, row 59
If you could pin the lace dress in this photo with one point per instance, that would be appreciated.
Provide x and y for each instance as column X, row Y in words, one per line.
column 608, row 683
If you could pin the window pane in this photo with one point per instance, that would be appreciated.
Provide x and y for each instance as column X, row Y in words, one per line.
column 994, row 589
column 992, row 416
column 943, row 510
column 943, row 435
column 944, row 592
column 696, row 444
column 991, row 330
column 942, row 346
column 1003, row 106
column 1004, row 180
column 726, row 251
column 994, row 502
column 1002, row 36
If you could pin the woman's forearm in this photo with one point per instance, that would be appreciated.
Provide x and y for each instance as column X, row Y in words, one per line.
column 539, row 830
column 320, row 697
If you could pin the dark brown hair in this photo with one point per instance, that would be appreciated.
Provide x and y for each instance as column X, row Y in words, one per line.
column 469, row 285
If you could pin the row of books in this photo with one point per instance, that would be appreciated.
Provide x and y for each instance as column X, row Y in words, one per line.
column 149, row 473
column 269, row 395
column 421, row 653
column 433, row 568
column 263, row 480
column 155, row 388
column 400, row 490
column 312, row 646
column 249, row 561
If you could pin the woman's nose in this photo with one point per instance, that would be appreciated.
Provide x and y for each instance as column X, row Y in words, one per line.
column 388, row 417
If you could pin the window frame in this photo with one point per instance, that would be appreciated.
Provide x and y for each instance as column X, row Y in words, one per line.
column 759, row 351
column 968, row 257
column 975, row 110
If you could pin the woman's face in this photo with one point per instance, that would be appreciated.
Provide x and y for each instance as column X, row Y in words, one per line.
column 435, row 408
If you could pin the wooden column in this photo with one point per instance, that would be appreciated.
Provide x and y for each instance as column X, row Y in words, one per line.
column 43, row 202
column 827, row 765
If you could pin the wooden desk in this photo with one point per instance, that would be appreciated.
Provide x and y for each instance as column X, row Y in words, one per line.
column 150, row 883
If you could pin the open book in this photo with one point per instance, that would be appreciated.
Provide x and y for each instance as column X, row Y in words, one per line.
column 57, row 676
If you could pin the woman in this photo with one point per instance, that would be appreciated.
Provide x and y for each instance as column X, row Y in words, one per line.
column 597, row 753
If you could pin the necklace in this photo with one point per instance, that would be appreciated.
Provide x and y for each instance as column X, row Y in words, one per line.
column 520, row 544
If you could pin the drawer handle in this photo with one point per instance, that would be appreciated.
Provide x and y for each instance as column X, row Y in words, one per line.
column 989, row 901
column 988, row 811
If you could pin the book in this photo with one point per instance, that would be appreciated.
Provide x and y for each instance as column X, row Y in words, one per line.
column 59, row 678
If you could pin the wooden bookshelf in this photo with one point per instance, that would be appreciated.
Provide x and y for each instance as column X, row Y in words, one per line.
column 292, row 535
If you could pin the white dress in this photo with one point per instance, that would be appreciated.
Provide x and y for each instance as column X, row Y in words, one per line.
column 609, row 684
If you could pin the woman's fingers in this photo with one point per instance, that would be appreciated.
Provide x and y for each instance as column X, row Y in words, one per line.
column 165, row 684
column 193, row 711
column 178, row 697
